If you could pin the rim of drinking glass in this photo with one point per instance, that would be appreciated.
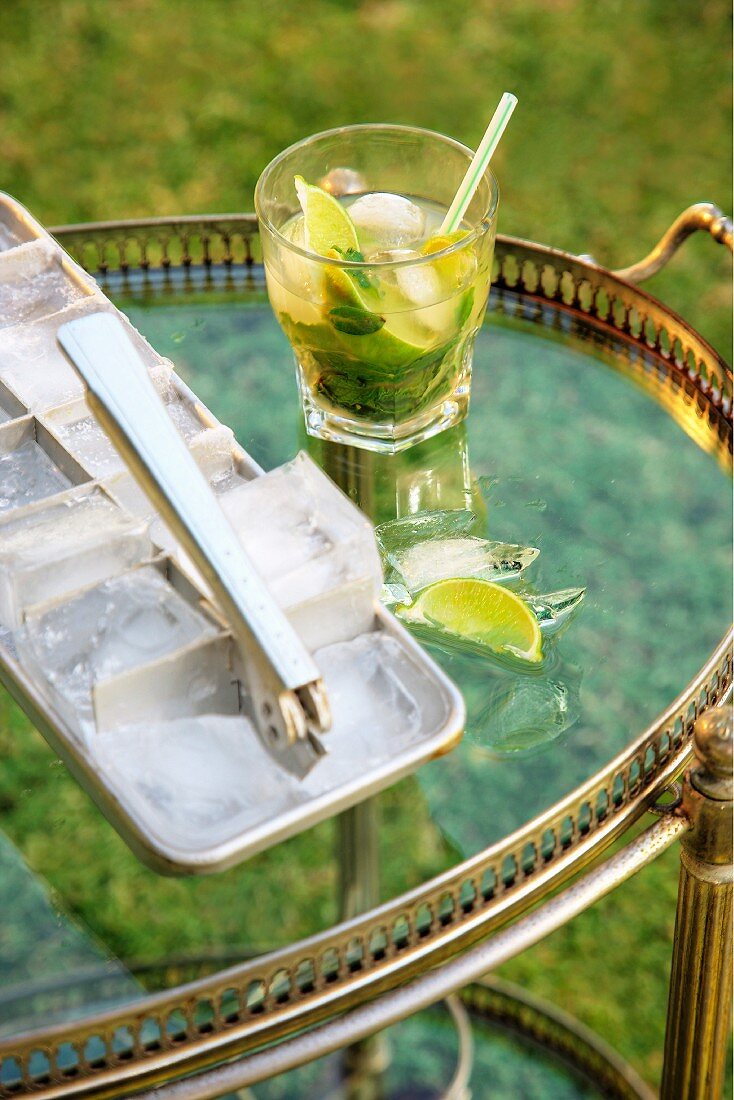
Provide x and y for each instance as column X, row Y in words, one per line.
column 314, row 257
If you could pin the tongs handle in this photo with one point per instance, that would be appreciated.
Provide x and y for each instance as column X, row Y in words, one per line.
column 289, row 702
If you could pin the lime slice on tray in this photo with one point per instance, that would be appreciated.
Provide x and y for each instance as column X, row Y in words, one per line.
column 480, row 612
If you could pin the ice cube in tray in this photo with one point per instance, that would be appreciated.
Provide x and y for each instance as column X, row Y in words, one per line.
column 8, row 239
column 10, row 407
column 380, row 702
column 302, row 533
column 198, row 781
column 195, row 781
column 181, row 410
column 27, row 474
column 128, row 621
column 34, row 366
column 33, row 283
column 67, row 544
column 309, row 543
column 86, row 439
column 213, row 450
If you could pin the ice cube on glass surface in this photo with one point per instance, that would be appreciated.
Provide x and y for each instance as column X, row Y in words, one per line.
column 433, row 560
column 394, row 593
column 195, row 781
column 27, row 474
column 521, row 714
column 33, row 284
column 553, row 609
column 120, row 624
column 385, row 220
column 303, row 535
column 56, row 548
column 443, row 523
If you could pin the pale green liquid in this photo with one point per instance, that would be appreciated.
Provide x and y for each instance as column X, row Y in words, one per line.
column 385, row 344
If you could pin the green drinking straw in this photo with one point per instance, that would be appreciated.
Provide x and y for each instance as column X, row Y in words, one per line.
column 479, row 163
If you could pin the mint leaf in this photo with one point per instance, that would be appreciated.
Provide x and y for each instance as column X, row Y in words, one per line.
column 465, row 306
column 353, row 255
column 361, row 278
column 355, row 321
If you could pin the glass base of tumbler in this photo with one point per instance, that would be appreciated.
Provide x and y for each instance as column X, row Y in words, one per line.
column 383, row 438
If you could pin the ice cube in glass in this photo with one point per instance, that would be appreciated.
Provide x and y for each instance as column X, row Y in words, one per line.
column 384, row 220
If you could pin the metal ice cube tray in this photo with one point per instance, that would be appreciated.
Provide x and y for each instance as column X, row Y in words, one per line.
column 162, row 739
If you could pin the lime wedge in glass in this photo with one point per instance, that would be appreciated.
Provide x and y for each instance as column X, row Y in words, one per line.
column 327, row 224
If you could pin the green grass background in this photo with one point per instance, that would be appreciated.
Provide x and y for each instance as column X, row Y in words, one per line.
column 118, row 108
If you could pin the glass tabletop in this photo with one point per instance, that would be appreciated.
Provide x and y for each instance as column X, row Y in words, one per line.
column 560, row 452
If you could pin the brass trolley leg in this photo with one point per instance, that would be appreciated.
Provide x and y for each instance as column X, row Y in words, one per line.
column 359, row 867
column 700, row 984
column 359, row 890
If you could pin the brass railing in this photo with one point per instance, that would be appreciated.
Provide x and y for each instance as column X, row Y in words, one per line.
column 259, row 1001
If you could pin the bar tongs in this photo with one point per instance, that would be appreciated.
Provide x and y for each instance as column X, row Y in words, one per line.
column 290, row 707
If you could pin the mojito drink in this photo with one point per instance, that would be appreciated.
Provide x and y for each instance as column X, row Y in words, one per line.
column 380, row 306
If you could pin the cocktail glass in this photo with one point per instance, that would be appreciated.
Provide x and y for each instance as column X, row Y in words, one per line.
column 383, row 334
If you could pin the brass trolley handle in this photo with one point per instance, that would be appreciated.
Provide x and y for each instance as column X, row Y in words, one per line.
column 702, row 215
